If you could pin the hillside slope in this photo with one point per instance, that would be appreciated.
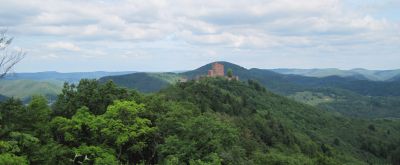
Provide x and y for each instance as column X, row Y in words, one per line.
column 25, row 88
column 144, row 82
column 249, row 105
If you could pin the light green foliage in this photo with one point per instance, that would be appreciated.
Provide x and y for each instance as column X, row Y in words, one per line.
column 9, row 146
column 94, row 155
column 10, row 159
column 123, row 125
column 200, row 139
column 91, row 94
column 278, row 158
column 191, row 136
column 229, row 73
column 120, row 127
column 214, row 159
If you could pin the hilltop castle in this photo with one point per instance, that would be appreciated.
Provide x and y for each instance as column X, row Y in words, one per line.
column 218, row 70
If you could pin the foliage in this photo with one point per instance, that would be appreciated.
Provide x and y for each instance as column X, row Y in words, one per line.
column 91, row 94
column 11, row 159
column 207, row 121
column 229, row 73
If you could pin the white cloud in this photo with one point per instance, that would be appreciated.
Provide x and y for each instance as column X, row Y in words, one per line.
column 273, row 26
column 64, row 46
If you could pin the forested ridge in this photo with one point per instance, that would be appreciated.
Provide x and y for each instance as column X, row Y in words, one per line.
column 207, row 121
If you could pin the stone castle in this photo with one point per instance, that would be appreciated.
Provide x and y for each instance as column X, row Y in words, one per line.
column 217, row 70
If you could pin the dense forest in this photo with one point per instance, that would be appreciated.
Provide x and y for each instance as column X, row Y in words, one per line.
column 208, row 121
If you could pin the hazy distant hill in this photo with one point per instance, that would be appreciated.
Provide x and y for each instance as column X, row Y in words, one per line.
column 24, row 85
column 72, row 77
column 374, row 75
column 144, row 82
column 23, row 89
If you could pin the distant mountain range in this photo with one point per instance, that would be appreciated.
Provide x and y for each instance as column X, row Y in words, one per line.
column 272, row 79
column 362, row 74
column 72, row 77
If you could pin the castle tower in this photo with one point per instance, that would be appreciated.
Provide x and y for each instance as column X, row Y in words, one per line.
column 217, row 70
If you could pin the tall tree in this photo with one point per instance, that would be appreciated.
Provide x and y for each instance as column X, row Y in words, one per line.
column 229, row 73
column 8, row 59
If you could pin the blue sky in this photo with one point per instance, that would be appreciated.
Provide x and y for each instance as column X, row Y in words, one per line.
column 160, row 35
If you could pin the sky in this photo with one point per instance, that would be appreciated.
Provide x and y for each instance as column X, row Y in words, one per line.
column 175, row 35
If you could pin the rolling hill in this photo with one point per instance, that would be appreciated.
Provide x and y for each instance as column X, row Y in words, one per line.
column 23, row 89
column 49, row 84
column 144, row 82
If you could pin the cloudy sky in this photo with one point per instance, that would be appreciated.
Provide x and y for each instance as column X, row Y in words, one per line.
column 161, row 35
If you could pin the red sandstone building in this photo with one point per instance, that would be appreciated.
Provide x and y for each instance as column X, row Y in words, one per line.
column 217, row 70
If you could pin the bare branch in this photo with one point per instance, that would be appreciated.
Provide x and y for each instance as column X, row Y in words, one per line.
column 8, row 59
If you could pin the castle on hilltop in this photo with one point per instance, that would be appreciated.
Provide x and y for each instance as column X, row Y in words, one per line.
column 218, row 70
